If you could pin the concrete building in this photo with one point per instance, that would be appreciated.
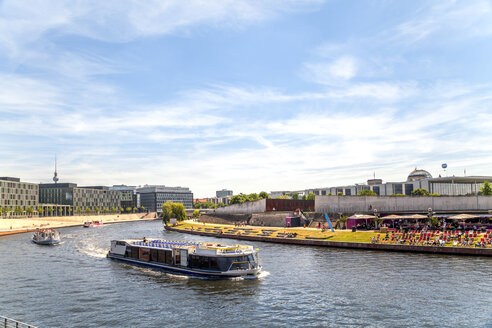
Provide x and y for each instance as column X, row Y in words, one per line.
column 17, row 198
column 129, row 196
column 153, row 196
column 79, row 199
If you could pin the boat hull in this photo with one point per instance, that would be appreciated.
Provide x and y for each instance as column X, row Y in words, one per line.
column 50, row 242
column 216, row 274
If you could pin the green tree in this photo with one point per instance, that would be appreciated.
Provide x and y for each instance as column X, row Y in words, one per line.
column 329, row 194
column 304, row 197
column 238, row 199
column 196, row 213
column 264, row 195
column 135, row 209
column 40, row 210
column 420, row 192
column 60, row 211
column 105, row 210
column 179, row 211
column 434, row 221
column 283, row 197
column 97, row 209
column 252, row 197
column 207, row 204
column 311, row 196
column 50, row 210
column 128, row 209
column 220, row 204
column 122, row 209
column 18, row 210
column 29, row 211
column 113, row 209
column 167, row 211
column 295, row 196
column 70, row 210
column 367, row 192
column 142, row 208
column 340, row 193
column 486, row 189
column 79, row 210
column 88, row 210
column 1, row 210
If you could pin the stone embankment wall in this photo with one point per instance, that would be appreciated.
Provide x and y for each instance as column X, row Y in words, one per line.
column 244, row 208
column 400, row 204
column 224, row 218
column 269, row 219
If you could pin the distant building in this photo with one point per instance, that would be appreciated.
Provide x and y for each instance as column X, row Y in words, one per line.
column 79, row 198
column 16, row 194
column 153, row 196
column 223, row 193
column 129, row 196
column 446, row 186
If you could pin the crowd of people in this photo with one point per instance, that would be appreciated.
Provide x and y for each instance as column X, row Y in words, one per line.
column 437, row 238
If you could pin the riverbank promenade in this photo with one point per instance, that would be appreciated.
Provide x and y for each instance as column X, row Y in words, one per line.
column 13, row 226
column 468, row 243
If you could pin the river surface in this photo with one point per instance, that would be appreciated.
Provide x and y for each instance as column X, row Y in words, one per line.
column 75, row 285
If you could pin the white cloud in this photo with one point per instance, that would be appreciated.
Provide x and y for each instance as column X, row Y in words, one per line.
column 335, row 72
column 448, row 20
column 25, row 22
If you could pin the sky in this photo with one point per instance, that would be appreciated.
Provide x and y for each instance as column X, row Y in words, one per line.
column 246, row 95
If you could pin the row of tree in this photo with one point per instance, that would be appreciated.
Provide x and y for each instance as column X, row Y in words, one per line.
column 51, row 210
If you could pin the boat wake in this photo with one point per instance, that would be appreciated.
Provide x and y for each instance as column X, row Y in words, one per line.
column 177, row 276
column 92, row 250
column 263, row 274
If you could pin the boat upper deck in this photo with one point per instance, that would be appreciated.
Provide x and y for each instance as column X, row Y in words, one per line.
column 199, row 248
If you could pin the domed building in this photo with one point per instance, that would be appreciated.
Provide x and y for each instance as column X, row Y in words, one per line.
column 417, row 175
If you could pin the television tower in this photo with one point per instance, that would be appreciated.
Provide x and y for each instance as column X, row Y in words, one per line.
column 55, row 177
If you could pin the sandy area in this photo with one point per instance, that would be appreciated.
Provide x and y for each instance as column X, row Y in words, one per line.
column 8, row 225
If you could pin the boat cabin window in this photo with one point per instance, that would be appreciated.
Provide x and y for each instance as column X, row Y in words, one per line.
column 134, row 253
column 153, row 255
column 121, row 243
column 164, row 257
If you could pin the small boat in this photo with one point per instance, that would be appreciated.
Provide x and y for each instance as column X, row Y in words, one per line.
column 46, row 237
column 195, row 258
column 90, row 224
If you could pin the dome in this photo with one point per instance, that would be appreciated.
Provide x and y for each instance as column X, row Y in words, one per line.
column 417, row 175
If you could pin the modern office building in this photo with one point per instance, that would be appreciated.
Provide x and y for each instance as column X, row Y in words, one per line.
column 79, row 198
column 153, row 196
column 17, row 197
column 129, row 196
column 223, row 193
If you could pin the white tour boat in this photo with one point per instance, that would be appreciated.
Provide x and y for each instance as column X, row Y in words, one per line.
column 46, row 237
column 198, row 258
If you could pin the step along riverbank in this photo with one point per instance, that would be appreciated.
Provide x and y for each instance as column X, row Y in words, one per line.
column 316, row 237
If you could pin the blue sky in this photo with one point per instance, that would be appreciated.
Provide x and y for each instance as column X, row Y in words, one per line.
column 247, row 95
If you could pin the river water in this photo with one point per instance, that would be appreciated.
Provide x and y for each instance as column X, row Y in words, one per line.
column 75, row 285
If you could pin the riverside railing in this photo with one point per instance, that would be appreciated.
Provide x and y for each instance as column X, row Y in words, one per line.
column 11, row 323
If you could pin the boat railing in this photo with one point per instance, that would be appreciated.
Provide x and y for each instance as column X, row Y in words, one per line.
column 11, row 323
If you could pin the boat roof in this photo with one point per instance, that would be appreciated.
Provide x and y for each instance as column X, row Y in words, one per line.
column 219, row 248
